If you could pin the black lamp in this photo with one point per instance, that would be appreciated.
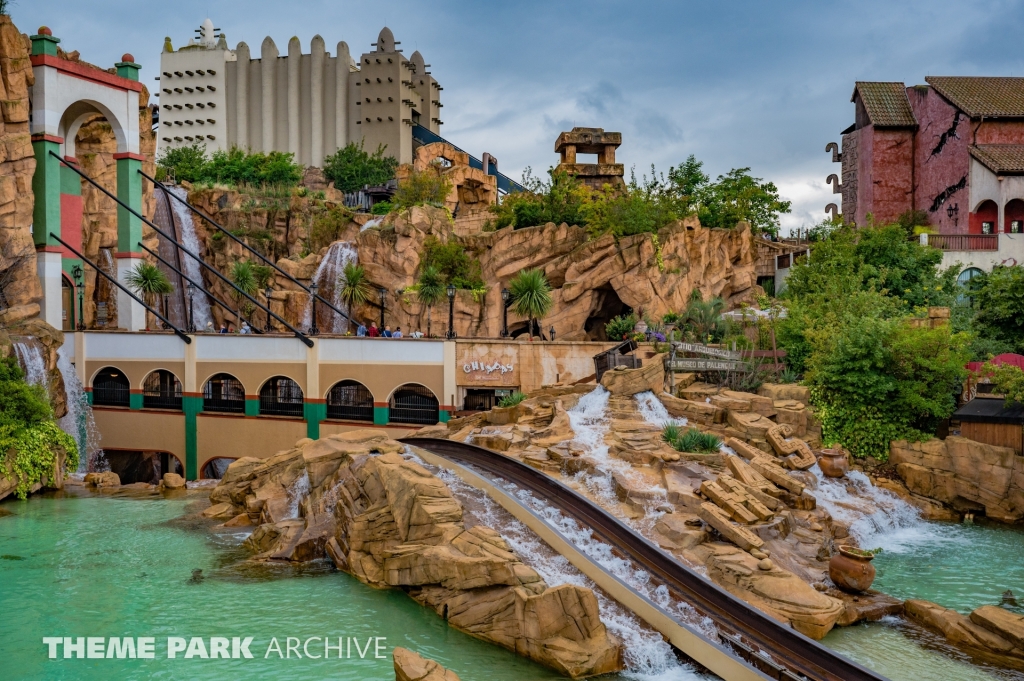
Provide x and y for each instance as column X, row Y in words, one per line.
column 77, row 273
column 505, row 295
column 383, row 292
column 313, row 288
column 551, row 332
column 269, row 292
column 191, row 328
column 451, row 312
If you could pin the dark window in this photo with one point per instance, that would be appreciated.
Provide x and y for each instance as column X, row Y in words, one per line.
column 110, row 388
column 161, row 390
column 414, row 404
column 215, row 468
column 224, row 393
column 987, row 227
column 1015, row 226
column 281, row 396
column 350, row 400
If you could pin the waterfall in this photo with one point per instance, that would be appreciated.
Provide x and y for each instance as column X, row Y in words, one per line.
column 30, row 356
column 105, row 291
column 653, row 411
column 191, row 267
column 79, row 422
column 371, row 223
column 299, row 491
column 330, row 270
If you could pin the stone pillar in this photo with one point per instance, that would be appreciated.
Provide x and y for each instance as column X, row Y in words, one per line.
column 130, row 314
column 294, row 71
column 46, row 184
column 268, row 69
column 242, row 96
column 341, row 73
column 314, row 408
column 317, row 55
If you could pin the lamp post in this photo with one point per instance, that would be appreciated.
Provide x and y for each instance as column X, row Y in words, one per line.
column 191, row 326
column 313, row 330
column 77, row 273
column 551, row 332
column 269, row 292
column 383, row 292
column 505, row 295
column 451, row 312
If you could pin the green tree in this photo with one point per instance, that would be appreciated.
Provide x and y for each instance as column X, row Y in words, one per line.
column 187, row 163
column 1008, row 380
column 453, row 263
column 999, row 299
column 561, row 199
column 531, row 296
column 736, row 196
column 430, row 289
column 351, row 167
column 355, row 286
column 702, row 320
column 148, row 281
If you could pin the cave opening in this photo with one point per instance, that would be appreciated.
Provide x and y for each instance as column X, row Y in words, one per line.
column 148, row 467
column 607, row 305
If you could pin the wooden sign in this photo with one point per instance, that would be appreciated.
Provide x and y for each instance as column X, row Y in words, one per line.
column 701, row 364
column 698, row 349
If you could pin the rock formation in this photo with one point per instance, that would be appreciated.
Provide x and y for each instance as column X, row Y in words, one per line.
column 964, row 475
column 991, row 633
column 410, row 666
column 391, row 523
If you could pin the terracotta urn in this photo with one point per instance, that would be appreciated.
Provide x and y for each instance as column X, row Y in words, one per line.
column 851, row 569
column 834, row 463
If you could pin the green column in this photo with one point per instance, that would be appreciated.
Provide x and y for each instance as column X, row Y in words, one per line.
column 135, row 400
column 252, row 407
column 443, row 416
column 314, row 413
column 46, row 187
column 88, row 397
column 380, row 415
column 129, row 190
column 192, row 406
column 44, row 43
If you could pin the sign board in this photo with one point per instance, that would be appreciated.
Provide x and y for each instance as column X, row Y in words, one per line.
column 706, row 351
column 701, row 364
column 487, row 365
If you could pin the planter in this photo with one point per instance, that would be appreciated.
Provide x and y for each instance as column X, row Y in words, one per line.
column 834, row 463
column 851, row 569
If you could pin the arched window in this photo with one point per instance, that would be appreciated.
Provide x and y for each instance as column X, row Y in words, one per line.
column 983, row 220
column 161, row 390
column 413, row 403
column 67, row 300
column 281, row 396
column 224, row 393
column 350, row 400
column 964, row 281
column 110, row 388
column 1013, row 217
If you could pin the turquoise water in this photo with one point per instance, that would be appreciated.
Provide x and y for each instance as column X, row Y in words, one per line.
column 122, row 566
column 957, row 566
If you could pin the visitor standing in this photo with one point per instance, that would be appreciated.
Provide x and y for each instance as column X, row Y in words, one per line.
column 416, row 334
column 245, row 328
column 373, row 331
column 223, row 328
column 397, row 333
column 361, row 331
column 209, row 328
column 387, row 332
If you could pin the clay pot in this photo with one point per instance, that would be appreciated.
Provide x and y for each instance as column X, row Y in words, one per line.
column 851, row 569
column 834, row 463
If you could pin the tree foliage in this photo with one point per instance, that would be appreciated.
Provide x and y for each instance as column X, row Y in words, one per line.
column 428, row 187
column 531, row 295
column 355, row 285
column 999, row 300
column 351, row 168
column 232, row 167
column 452, row 262
column 148, row 281
column 1008, row 380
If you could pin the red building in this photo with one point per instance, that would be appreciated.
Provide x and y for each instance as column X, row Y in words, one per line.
column 953, row 148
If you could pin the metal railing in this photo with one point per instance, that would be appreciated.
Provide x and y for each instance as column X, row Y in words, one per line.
column 350, row 401
column 962, row 242
column 111, row 394
column 414, row 404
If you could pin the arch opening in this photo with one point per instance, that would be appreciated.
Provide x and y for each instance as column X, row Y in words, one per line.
column 351, row 401
column 964, row 282
column 412, row 403
column 281, row 396
column 161, row 390
column 110, row 388
column 215, row 468
column 224, row 393
column 983, row 220
column 67, row 304
column 1013, row 217
column 148, row 467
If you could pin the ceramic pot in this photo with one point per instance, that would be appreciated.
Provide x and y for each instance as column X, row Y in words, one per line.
column 834, row 463
column 851, row 570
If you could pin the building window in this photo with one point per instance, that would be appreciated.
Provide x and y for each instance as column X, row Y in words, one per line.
column 1015, row 226
column 224, row 393
column 987, row 227
column 110, row 388
column 161, row 390
column 412, row 403
column 281, row 396
column 350, row 400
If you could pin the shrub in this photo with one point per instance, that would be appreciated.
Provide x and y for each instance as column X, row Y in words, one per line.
column 690, row 440
column 184, row 163
column 512, row 400
column 351, row 168
column 422, row 187
column 30, row 439
column 452, row 262
column 559, row 200
column 1008, row 380
column 238, row 167
column 620, row 328
column 381, row 208
column 328, row 226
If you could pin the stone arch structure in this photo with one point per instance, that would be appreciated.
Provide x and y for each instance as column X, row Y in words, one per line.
column 984, row 216
column 65, row 94
column 215, row 465
column 1013, row 216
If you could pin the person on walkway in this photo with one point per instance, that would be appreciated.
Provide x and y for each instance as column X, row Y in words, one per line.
column 223, row 328
column 361, row 331
column 245, row 328
column 387, row 332
column 397, row 333
column 209, row 328
column 416, row 334
column 373, row 331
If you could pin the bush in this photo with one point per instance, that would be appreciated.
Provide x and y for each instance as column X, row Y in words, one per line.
column 328, row 226
column 381, row 208
column 999, row 299
column 620, row 328
column 233, row 167
column 29, row 437
column 452, row 262
column 559, row 200
column 1008, row 381
column 422, row 187
column 351, row 168
column 690, row 440
column 512, row 399
column 184, row 163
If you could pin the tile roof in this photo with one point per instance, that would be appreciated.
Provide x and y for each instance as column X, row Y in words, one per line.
column 1000, row 158
column 886, row 104
column 982, row 96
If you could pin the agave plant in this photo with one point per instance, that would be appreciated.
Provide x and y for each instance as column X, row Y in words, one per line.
column 692, row 440
column 531, row 296
column 512, row 399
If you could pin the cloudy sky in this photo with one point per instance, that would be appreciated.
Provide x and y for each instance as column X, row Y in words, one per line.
column 758, row 84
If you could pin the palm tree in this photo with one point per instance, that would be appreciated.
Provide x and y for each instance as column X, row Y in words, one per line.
column 531, row 296
column 148, row 281
column 355, row 286
column 243, row 275
column 430, row 290
column 704, row 318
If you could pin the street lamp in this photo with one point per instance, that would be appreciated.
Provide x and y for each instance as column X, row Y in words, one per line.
column 313, row 288
column 505, row 295
column 382, row 292
column 76, row 272
column 191, row 327
column 268, row 293
column 451, row 312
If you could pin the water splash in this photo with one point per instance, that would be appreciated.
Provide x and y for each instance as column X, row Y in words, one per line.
column 371, row 223
column 191, row 267
column 30, row 356
column 79, row 422
column 298, row 491
column 654, row 412
column 327, row 276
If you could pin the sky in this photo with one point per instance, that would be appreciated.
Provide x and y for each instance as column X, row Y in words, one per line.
column 764, row 85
